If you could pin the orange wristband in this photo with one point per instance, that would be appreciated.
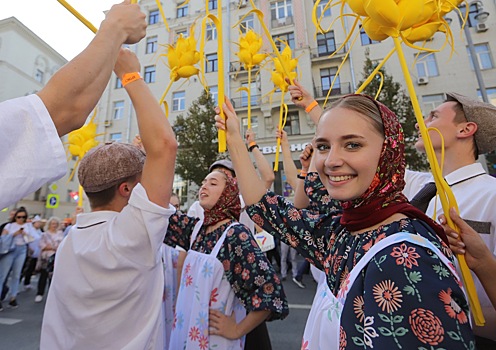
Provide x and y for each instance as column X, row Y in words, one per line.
column 130, row 77
column 311, row 106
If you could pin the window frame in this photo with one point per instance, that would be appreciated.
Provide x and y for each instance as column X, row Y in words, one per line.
column 151, row 44
column 153, row 17
column 118, row 110
column 178, row 101
column 211, row 65
column 150, row 73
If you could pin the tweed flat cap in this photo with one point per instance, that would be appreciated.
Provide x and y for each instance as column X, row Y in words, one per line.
column 223, row 163
column 106, row 165
column 484, row 115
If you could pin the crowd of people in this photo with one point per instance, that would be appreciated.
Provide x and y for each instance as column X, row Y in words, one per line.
column 136, row 273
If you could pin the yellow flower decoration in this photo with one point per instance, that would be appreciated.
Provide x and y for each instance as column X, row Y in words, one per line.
column 249, row 47
column 284, row 67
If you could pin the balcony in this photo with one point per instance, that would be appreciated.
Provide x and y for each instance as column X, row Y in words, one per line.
column 242, row 102
column 337, row 90
column 323, row 53
column 282, row 22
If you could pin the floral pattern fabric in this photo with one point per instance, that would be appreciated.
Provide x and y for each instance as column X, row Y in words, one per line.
column 251, row 276
column 404, row 298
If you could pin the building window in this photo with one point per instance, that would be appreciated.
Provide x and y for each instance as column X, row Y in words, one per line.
column 431, row 102
column 483, row 56
column 153, row 17
column 283, row 39
column 326, row 77
column 365, row 38
column 39, row 75
column 326, row 43
column 214, row 94
column 253, row 94
column 254, row 125
column 151, row 44
column 150, row 74
column 211, row 30
column 117, row 137
column 212, row 4
column 182, row 11
column 118, row 83
column 247, row 24
column 292, row 124
column 473, row 11
column 491, row 95
column 183, row 32
column 178, row 101
column 281, row 9
column 426, row 65
column 211, row 64
column 322, row 11
column 118, row 111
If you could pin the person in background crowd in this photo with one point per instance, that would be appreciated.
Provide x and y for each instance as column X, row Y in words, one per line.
column 33, row 251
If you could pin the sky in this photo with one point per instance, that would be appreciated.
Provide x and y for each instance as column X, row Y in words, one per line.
column 54, row 24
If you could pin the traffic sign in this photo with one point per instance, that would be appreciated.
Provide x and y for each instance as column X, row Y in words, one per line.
column 52, row 201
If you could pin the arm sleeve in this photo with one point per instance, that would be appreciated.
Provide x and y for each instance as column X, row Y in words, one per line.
column 303, row 230
column 180, row 230
column 252, row 277
column 407, row 298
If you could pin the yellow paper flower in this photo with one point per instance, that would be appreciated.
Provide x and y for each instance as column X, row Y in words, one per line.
column 183, row 57
column 286, row 64
column 249, row 47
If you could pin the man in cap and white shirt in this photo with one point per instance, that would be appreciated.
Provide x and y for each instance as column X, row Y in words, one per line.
column 108, row 282
column 468, row 127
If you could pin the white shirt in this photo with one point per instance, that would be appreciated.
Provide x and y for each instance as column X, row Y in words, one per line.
column 475, row 193
column 108, row 282
column 31, row 151
column 196, row 211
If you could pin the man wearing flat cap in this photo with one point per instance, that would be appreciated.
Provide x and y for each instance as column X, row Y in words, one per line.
column 108, row 282
column 468, row 128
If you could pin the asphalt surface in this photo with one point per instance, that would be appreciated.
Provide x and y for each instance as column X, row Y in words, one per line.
column 20, row 328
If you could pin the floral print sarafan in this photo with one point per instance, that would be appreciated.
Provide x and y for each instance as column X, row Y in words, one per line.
column 253, row 280
column 405, row 297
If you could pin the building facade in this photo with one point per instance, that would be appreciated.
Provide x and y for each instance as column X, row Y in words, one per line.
column 291, row 21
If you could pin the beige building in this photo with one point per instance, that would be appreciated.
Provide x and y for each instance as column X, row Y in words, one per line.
column 290, row 20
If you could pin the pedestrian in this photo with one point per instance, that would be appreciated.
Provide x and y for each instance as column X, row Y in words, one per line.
column 33, row 251
column 31, row 126
column 374, row 251
column 108, row 282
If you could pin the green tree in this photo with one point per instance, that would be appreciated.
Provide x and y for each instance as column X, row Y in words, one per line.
column 393, row 96
column 197, row 138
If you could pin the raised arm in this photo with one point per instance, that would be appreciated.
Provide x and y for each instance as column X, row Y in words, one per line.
column 252, row 188
column 72, row 93
column 287, row 160
column 301, row 199
column 155, row 131
column 264, row 168
column 303, row 99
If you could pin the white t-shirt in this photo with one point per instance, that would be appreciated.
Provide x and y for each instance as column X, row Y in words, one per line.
column 107, row 288
column 32, row 153
column 475, row 193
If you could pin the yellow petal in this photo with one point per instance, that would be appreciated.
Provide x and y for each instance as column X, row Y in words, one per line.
column 258, row 58
column 384, row 12
column 423, row 32
column 357, row 7
column 187, row 71
column 374, row 30
column 74, row 150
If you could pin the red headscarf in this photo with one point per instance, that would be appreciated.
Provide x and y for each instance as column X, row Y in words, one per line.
column 384, row 196
column 228, row 206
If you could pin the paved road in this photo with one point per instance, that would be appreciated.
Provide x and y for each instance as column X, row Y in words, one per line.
column 20, row 328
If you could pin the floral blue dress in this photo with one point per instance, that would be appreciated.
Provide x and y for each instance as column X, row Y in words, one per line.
column 252, row 278
column 414, row 300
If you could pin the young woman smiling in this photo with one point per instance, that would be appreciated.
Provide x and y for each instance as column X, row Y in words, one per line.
column 390, row 274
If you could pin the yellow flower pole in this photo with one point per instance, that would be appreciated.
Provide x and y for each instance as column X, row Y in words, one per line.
column 249, row 55
column 408, row 22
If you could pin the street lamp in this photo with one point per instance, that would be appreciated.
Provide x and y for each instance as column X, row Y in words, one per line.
column 480, row 17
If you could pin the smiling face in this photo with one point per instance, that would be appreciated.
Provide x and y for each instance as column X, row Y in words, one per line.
column 347, row 151
column 211, row 189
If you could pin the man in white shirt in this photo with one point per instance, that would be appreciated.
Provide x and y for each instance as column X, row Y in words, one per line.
column 108, row 282
column 30, row 126
column 469, row 128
